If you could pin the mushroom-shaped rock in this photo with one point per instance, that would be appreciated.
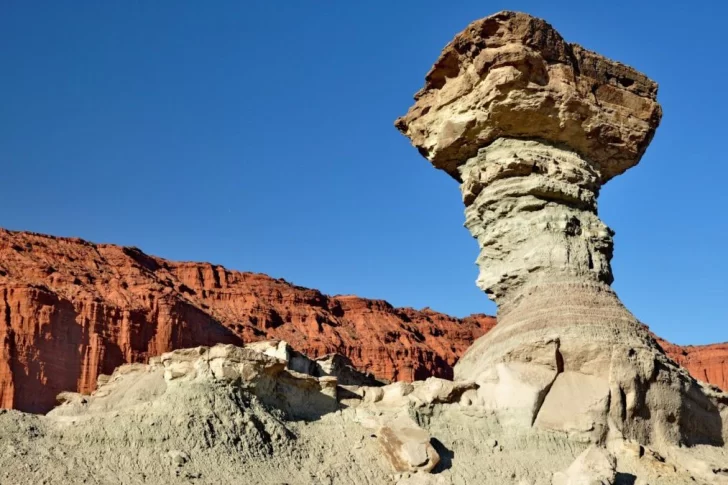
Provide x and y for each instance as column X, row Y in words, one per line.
column 532, row 127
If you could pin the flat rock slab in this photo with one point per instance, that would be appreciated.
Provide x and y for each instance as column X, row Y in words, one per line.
column 576, row 404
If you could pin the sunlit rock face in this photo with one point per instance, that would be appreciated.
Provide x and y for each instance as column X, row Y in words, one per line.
column 532, row 127
column 513, row 75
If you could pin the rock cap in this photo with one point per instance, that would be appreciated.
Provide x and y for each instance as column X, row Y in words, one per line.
column 513, row 75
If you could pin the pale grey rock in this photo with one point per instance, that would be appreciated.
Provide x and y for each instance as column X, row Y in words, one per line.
column 514, row 391
column 439, row 391
column 407, row 447
column 331, row 365
column 232, row 417
column 532, row 127
column 595, row 466
column 177, row 457
column 577, row 404
column 339, row 366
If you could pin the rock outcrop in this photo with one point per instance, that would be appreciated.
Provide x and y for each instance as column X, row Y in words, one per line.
column 532, row 127
column 593, row 467
column 72, row 310
column 227, row 414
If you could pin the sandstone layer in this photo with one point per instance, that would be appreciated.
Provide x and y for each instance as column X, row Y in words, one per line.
column 532, row 127
column 512, row 75
column 72, row 310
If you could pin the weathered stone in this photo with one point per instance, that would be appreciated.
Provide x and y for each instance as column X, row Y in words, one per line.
column 513, row 75
column 514, row 391
column 440, row 391
column 595, row 466
column 177, row 457
column 132, row 307
column 408, row 448
column 576, row 404
column 532, row 127
column 342, row 368
column 97, row 306
column 301, row 396
column 333, row 365
column 395, row 393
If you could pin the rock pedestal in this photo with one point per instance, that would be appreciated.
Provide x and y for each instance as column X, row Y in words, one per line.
column 532, row 127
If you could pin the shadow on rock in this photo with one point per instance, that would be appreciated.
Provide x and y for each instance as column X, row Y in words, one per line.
column 625, row 479
column 446, row 456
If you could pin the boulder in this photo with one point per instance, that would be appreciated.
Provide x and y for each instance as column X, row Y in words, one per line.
column 576, row 404
column 408, row 448
column 595, row 466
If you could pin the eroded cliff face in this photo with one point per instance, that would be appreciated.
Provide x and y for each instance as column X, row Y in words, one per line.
column 708, row 363
column 72, row 310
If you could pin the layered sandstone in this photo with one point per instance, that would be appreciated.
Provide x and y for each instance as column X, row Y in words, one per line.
column 532, row 127
column 72, row 310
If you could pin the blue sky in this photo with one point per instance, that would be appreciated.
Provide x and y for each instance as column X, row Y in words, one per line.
column 259, row 135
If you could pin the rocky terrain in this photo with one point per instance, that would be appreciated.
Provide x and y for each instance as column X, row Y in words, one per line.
column 567, row 389
column 228, row 415
column 74, row 310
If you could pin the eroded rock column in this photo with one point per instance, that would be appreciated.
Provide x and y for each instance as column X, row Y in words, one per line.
column 532, row 127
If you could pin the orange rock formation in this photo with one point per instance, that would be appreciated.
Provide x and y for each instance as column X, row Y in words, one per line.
column 708, row 363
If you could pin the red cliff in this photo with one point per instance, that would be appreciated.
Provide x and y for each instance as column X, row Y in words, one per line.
column 72, row 310
column 708, row 363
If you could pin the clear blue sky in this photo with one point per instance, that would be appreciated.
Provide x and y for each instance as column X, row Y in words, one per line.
column 258, row 135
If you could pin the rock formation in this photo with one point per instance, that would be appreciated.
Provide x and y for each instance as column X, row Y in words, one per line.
column 567, row 389
column 72, row 310
column 226, row 414
column 532, row 126
column 709, row 363
column 94, row 307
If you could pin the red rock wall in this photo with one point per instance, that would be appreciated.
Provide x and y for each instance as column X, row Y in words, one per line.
column 709, row 363
column 72, row 310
